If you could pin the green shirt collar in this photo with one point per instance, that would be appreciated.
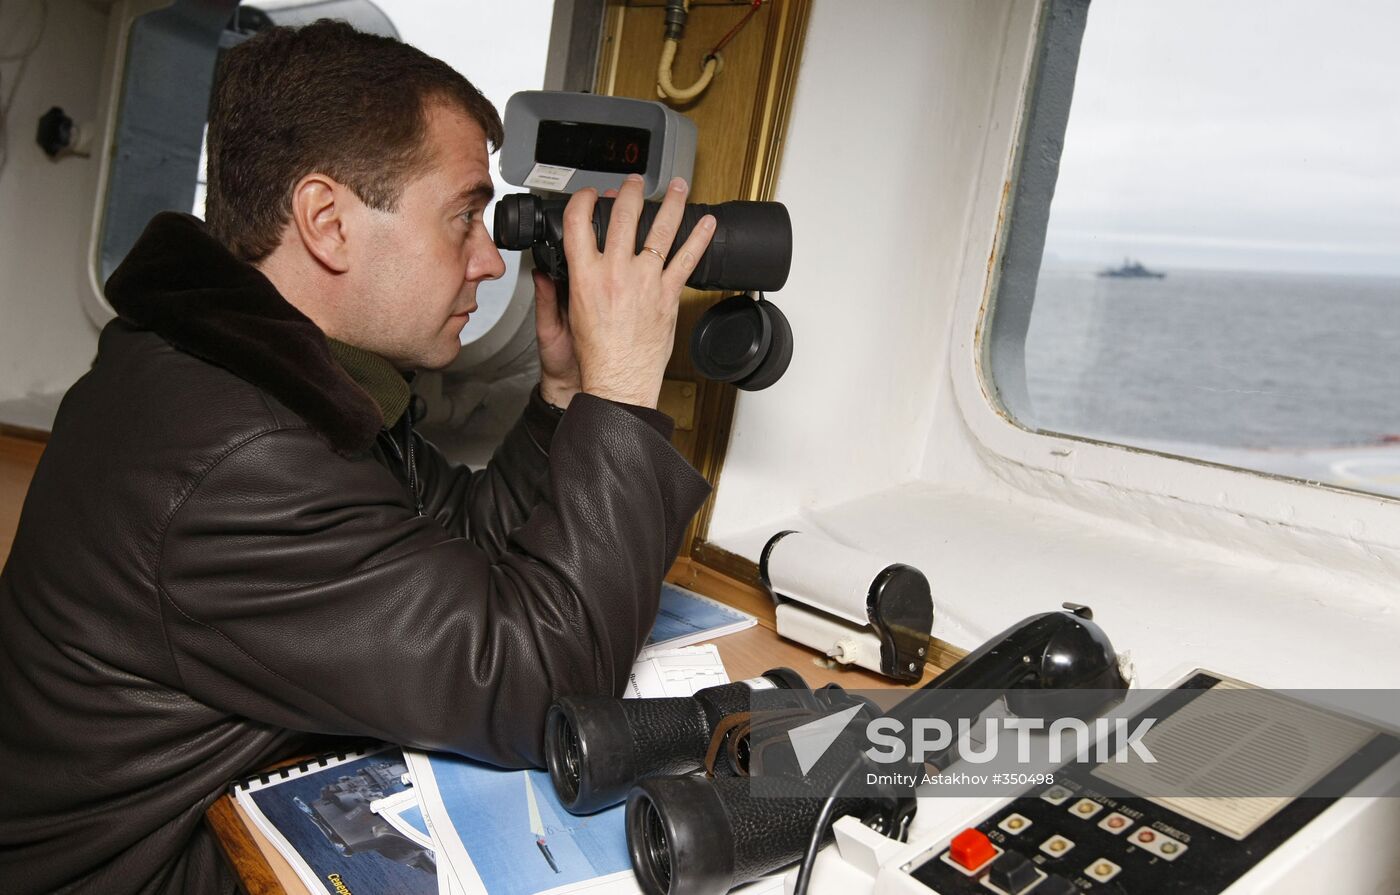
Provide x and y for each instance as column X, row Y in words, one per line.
column 385, row 384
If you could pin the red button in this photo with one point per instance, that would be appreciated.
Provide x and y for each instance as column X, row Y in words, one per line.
column 971, row 849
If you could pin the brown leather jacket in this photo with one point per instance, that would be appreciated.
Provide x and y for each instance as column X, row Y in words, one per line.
column 220, row 552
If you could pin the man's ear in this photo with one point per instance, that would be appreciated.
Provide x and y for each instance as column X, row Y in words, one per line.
column 319, row 213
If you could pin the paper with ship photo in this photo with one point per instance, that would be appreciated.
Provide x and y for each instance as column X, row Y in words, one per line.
column 404, row 814
column 321, row 816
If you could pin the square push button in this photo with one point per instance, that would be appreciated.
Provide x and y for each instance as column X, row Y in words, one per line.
column 1085, row 808
column 1116, row 823
column 1056, row 795
column 1170, row 849
column 1102, row 870
column 1015, row 824
column 970, row 849
column 1056, row 846
column 1013, row 873
column 1056, row 885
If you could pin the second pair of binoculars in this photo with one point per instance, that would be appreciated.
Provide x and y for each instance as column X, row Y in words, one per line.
column 743, row 340
column 755, row 807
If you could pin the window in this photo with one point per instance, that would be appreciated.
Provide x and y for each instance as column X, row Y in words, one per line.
column 166, row 74
column 1217, row 276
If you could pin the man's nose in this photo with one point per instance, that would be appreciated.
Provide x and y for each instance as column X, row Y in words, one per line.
column 485, row 261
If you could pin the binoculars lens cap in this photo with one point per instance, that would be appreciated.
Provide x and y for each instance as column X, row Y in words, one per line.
column 742, row 340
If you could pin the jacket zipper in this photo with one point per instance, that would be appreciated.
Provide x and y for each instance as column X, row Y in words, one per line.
column 407, row 461
column 412, row 466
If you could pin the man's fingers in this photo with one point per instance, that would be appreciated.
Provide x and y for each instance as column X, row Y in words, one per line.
column 579, row 239
column 547, row 316
column 622, row 228
column 684, row 259
column 668, row 218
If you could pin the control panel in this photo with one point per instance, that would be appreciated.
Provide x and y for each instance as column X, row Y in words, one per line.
column 1085, row 833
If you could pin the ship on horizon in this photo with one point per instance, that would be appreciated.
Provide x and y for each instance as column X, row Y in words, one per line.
column 1132, row 270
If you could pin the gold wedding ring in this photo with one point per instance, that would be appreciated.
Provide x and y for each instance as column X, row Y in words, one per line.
column 654, row 252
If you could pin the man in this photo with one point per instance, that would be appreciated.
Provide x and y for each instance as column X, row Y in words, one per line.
column 235, row 539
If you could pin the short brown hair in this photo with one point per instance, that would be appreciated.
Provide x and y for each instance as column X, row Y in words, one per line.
column 323, row 98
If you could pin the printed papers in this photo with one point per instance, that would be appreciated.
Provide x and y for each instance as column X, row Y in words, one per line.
column 675, row 672
column 503, row 832
column 445, row 825
column 347, row 821
column 686, row 617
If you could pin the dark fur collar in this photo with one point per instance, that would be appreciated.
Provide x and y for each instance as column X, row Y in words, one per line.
column 181, row 283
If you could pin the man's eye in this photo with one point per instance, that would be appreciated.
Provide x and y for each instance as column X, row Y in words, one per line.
column 468, row 217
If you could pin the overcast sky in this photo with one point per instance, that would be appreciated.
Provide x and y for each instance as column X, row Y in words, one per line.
column 1249, row 134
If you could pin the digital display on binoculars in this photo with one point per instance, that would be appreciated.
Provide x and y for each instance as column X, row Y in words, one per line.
column 563, row 142
column 596, row 147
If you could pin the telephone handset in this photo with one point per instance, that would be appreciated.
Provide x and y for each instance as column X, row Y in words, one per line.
column 1057, row 664
column 1051, row 650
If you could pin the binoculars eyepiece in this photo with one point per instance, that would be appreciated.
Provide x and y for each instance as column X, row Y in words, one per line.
column 598, row 747
column 698, row 835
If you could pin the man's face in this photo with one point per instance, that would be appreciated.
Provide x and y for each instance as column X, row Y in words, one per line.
column 416, row 268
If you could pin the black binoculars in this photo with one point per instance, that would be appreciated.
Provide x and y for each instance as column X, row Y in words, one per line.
column 741, row 340
column 707, row 834
column 598, row 747
column 751, row 249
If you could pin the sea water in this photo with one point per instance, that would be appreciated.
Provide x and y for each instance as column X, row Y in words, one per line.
column 1266, row 362
column 1223, row 358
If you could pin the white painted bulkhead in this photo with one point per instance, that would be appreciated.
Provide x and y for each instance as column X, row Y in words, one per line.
column 884, row 436
column 46, row 207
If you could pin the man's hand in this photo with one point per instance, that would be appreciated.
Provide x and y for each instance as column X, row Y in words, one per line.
column 623, row 304
column 559, row 375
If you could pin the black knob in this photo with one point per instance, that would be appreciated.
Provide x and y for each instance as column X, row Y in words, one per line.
column 55, row 132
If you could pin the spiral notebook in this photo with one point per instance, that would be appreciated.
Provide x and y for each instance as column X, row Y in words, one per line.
column 348, row 821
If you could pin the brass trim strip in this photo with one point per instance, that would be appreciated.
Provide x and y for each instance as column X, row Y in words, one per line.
column 614, row 18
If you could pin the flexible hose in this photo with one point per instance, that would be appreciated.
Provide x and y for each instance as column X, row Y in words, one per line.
column 668, row 90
